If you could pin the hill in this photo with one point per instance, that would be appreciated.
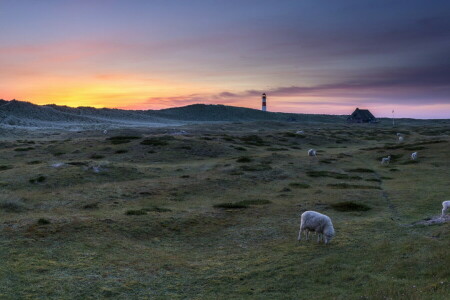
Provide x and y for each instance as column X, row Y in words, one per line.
column 25, row 114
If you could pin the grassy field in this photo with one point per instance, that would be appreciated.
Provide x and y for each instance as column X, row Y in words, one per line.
column 213, row 213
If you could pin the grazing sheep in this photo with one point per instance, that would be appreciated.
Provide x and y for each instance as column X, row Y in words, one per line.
column 400, row 139
column 300, row 132
column 445, row 206
column 414, row 155
column 316, row 222
column 312, row 152
column 105, row 131
column 386, row 160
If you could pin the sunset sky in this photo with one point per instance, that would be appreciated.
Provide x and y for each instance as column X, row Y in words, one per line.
column 310, row 56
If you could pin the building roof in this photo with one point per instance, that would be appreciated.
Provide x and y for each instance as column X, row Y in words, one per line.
column 363, row 114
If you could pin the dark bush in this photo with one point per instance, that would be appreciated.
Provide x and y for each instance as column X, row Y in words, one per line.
column 351, row 186
column 361, row 170
column 350, row 206
column 40, row 178
column 135, row 212
column 24, row 149
column 158, row 141
column 299, row 185
column 120, row 151
column 43, row 221
column 230, row 205
column 244, row 159
column 122, row 139
column 156, row 209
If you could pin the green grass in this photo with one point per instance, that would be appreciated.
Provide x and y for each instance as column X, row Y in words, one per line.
column 195, row 224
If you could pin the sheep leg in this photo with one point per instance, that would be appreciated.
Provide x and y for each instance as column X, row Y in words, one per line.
column 300, row 235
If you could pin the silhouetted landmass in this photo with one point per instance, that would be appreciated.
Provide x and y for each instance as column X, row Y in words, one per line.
column 25, row 114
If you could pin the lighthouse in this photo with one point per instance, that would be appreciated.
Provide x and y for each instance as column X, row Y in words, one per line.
column 264, row 106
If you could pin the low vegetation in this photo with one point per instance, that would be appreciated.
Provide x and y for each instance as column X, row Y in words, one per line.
column 215, row 213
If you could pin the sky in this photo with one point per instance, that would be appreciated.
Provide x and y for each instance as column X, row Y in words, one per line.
column 308, row 56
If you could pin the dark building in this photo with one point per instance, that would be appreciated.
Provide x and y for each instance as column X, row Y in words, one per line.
column 361, row 116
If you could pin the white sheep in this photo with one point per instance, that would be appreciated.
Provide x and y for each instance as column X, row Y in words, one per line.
column 300, row 132
column 105, row 131
column 400, row 139
column 445, row 206
column 386, row 160
column 414, row 155
column 316, row 222
column 312, row 152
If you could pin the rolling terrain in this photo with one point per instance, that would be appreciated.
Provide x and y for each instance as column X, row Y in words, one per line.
column 27, row 115
column 212, row 211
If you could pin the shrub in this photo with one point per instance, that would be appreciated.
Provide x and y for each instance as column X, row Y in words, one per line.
column 91, row 206
column 43, row 221
column 40, row 178
column 253, row 140
column 156, row 209
column 244, row 159
column 276, row 149
column 158, row 141
column 11, row 203
column 229, row 205
column 122, row 139
column 135, row 212
column 3, row 168
column 374, row 179
column 34, row 162
column 96, row 156
column 120, row 151
column 24, row 149
column 331, row 174
column 254, row 202
column 351, row 186
column 299, row 185
column 409, row 162
column 361, row 170
column 350, row 206
column 240, row 148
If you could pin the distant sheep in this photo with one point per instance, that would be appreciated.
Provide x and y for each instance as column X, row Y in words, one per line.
column 316, row 222
column 300, row 132
column 414, row 155
column 445, row 206
column 400, row 139
column 105, row 131
column 312, row 152
column 386, row 160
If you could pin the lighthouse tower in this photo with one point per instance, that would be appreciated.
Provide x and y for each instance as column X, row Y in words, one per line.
column 264, row 106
